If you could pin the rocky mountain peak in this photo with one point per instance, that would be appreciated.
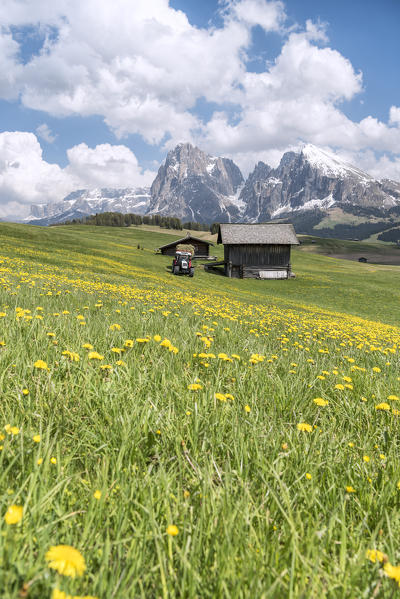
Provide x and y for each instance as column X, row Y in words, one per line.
column 193, row 185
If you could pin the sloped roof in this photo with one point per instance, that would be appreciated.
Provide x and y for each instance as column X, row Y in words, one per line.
column 186, row 239
column 260, row 234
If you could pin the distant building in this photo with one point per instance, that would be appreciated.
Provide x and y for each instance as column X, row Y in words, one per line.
column 201, row 246
column 257, row 251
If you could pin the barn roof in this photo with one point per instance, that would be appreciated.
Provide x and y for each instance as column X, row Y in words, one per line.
column 186, row 239
column 257, row 234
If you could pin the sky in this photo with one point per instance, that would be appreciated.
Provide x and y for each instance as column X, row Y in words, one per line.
column 95, row 93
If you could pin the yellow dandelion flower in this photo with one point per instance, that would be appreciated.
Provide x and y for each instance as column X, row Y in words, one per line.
column 41, row 365
column 97, row 494
column 350, row 489
column 194, row 387
column 382, row 406
column 25, row 391
column 14, row 430
column 339, row 386
column 172, row 530
column 220, row 396
column 303, row 426
column 376, row 369
column 36, row 438
column 319, row 401
column 157, row 338
column 366, row 458
column 40, row 461
column 14, row 514
column 308, row 476
column 53, row 460
column 247, row 408
column 392, row 571
column 374, row 555
column 66, row 560
column 93, row 355
column 394, row 398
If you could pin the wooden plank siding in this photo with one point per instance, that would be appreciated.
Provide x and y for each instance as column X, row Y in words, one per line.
column 247, row 260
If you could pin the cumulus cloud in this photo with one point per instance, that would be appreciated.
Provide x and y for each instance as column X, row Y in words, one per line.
column 142, row 66
column 44, row 132
column 26, row 178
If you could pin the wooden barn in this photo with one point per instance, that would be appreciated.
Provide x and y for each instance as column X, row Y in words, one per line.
column 201, row 246
column 257, row 251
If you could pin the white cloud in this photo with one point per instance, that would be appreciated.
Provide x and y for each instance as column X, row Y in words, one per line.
column 25, row 177
column 141, row 65
column 44, row 132
column 268, row 15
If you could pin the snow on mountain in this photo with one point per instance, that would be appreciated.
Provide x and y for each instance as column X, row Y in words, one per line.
column 193, row 185
column 84, row 202
column 312, row 179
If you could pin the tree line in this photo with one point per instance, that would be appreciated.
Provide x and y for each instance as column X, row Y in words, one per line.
column 117, row 219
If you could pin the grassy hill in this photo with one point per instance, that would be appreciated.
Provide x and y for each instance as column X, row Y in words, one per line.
column 202, row 437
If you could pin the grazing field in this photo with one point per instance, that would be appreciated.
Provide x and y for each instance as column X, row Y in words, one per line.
column 196, row 437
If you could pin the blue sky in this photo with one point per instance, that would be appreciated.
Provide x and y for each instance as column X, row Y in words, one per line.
column 100, row 104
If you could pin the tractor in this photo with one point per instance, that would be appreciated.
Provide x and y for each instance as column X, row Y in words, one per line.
column 182, row 264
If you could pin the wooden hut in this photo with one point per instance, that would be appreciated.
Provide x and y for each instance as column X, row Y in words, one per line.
column 201, row 246
column 257, row 251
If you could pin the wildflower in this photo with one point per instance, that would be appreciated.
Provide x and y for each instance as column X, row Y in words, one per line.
column 366, row 458
column 115, row 327
column 120, row 363
column 382, row 406
column 247, row 408
column 25, row 391
column 376, row 369
column 172, row 530
column 285, row 446
column 41, row 365
column 97, row 494
column 53, row 460
column 194, row 387
column 57, row 594
column 392, row 571
column 129, row 343
column 308, row 476
column 93, row 355
column 394, row 398
column 350, row 489
column 14, row 430
column 374, row 555
column 339, row 386
column 40, row 461
column 319, row 401
column 14, row 514
column 351, row 444
column 87, row 346
column 186, row 494
column 142, row 340
column 36, row 438
column 303, row 426
column 66, row 560
column 220, row 396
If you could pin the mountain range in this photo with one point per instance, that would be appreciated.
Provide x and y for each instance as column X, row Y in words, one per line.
column 314, row 189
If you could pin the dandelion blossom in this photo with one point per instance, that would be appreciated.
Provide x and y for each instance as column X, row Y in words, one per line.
column 172, row 530
column 36, row 438
column 303, row 426
column 67, row 560
column 41, row 365
column 14, row 514
column 319, row 401
column 194, row 386
column 350, row 489
column 247, row 408
column 392, row 572
column 97, row 494
column 374, row 555
column 382, row 406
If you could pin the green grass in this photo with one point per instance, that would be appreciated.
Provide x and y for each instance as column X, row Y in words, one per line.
column 231, row 475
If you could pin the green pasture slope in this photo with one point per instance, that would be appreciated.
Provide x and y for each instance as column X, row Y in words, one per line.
column 272, row 493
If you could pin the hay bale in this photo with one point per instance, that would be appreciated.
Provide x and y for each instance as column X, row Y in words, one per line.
column 185, row 247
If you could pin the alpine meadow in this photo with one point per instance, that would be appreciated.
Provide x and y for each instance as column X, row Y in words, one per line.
column 206, row 437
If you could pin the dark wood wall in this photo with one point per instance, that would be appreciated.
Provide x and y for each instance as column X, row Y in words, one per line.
column 200, row 249
column 257, row 255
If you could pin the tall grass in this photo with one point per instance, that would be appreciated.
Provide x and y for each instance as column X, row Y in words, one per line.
column 262, row 508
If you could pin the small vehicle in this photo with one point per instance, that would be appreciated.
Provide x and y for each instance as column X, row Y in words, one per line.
column 182, row 264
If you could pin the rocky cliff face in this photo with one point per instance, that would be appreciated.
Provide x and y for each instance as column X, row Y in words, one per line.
column 312, row 180
column 195, row 186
